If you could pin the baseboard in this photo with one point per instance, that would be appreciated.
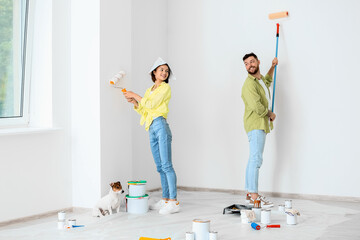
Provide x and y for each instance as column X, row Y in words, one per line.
column 277, row 194
column 34, row 217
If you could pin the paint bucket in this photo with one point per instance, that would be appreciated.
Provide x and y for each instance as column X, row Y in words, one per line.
column 291, row 219
column 265, row 216
column 71, row 222
column 189, row 236
column 282, row 208
column 201, row 229
column 62, row 215
column 137, row 188
column 257, row 212
column 288, row 204
column 257, row 204
column 213, row 235
column 137, row 205
column 61, row 224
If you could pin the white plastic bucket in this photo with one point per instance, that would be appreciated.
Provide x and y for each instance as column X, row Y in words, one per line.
column 201, row 229
column 137, row 205
column 137, row 188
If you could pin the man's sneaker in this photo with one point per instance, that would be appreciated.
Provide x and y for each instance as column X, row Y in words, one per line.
column 158, row 205
column 248, row 197
column 170, row 207
column 265, row 203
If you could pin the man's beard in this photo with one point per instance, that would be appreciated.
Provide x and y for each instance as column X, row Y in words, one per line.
column 255, row 71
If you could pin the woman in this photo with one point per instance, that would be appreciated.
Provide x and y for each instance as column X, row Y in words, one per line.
column 153, row 108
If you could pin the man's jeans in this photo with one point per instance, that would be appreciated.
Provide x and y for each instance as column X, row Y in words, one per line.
column 160, row 143
column 257, row 144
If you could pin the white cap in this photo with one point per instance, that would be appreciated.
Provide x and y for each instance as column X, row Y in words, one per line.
column 160, row 62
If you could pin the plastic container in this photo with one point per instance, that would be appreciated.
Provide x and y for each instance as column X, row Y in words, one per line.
column 137, row 188
column 137, row 205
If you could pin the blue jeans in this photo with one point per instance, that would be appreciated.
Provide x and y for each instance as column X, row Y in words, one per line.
column 257, row 144
column 160, row 143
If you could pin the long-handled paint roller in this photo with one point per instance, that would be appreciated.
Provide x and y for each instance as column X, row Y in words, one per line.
column 276, row 16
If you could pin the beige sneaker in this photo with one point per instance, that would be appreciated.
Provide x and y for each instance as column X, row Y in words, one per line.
column 170, row 207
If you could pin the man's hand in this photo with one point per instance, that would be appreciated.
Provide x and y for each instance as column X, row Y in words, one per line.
column 274, row 62
column 271, row 115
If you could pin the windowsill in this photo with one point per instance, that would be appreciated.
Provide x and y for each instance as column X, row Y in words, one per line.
column 25, row 130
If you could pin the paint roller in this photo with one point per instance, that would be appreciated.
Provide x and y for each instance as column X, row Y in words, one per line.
column 273, row 16
column 116, row 81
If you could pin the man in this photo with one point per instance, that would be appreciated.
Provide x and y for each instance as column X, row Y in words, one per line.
column 258, row 122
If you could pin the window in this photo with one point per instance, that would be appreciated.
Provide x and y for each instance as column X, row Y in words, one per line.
column 13, row 87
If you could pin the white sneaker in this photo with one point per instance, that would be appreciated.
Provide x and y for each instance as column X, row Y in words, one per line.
column 158, row 205
column 170, row 207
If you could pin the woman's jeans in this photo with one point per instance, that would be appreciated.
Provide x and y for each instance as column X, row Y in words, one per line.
column 160, row 143
column 257, row 144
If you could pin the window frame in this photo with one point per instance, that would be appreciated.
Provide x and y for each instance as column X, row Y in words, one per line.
column 26, row 52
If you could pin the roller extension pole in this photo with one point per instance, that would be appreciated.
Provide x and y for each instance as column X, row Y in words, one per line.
column 276, row 55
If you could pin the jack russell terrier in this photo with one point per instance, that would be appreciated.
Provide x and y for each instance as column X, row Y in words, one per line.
column 110, row 201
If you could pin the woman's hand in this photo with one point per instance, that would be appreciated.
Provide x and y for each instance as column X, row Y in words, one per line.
column 130, row 94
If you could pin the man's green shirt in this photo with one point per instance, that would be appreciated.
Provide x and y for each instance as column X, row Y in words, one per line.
column 256, row 104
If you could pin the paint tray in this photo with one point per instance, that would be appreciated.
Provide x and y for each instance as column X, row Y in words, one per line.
column 235, row 208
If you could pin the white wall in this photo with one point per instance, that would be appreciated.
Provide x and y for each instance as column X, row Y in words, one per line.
column 313, row 149
column 149, row 41
column 115, row 113
column 85, row 102
column 35, row 165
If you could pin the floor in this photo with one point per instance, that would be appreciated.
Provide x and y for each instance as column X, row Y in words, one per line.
column 318, row 220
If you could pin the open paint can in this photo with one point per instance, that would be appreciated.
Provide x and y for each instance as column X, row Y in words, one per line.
column 201, row 229
column 61, row 224
column 137, row 188
column 282, row 208
column 62, row 215
column 137, row 205
column 291, row 219
column 257, row 212
column 189, row 236
column 213, row 235
column 288, row 204
column 265, row 216
column 71, row 222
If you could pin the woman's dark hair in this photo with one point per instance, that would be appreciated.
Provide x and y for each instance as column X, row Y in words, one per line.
column 250, row 55
column 153, row 76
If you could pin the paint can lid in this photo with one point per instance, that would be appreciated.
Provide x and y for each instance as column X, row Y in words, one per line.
column 201, row 220
column 136, row 182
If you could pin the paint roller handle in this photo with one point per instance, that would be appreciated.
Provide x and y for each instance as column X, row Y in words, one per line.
column 277, row 31
column 273, row 226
